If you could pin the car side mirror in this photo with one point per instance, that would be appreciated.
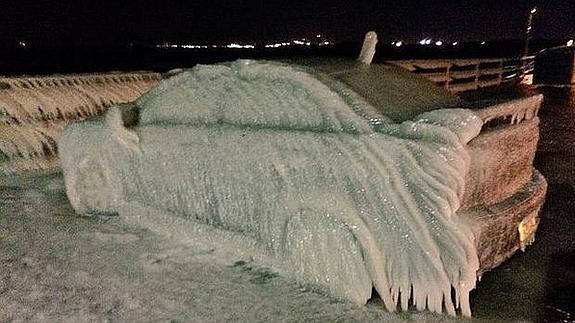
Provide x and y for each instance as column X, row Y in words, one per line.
column 121, row 120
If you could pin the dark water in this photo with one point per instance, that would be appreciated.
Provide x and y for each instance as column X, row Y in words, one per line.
column 539, row 285
column 61, row 59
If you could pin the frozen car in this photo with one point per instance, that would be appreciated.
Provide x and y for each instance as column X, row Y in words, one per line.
column 341, row 175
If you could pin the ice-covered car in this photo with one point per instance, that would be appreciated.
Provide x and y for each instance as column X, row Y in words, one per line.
column 341, row 175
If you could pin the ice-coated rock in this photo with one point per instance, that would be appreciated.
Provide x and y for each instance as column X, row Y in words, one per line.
column 338, row 196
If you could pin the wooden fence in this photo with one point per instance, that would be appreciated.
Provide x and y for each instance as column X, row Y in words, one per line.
column 458, row 75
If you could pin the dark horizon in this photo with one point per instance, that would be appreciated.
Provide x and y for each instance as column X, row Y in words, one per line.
column 84, row 23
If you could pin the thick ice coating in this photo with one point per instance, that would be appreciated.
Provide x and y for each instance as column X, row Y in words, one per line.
column 33, row 111
column 339, row 197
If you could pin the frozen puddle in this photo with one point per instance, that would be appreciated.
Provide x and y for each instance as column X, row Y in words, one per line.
column 56, row 265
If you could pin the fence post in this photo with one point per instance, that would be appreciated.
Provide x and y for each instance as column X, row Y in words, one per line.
column 500, row 77
column 447, row 77
column 477, row 74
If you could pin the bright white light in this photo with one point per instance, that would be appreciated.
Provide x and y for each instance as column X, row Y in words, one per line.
column 298, row 42
column 438, row 43
column 398, row 44
column 318, row 36
column 273, row 45
column 233, row 45
column 570, row 42
column 194, row 46
column 454, row 43
column 483, row 42
column 534, row 10
column 425, row 41
column 324, row 43
column 22, row 44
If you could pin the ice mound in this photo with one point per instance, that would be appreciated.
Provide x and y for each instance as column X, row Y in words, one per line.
column 337, row 195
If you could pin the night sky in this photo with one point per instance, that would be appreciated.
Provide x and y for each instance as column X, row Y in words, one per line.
column 84, row 22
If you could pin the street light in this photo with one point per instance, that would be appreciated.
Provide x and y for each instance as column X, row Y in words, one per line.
column 528, row 35
column 529, row 30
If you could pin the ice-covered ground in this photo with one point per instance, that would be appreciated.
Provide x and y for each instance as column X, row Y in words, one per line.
column 57, row 266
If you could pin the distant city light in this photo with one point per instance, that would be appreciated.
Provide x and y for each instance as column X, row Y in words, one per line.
column 454, row 43
column 22, row 44
column 422, row 42
column 194, row 46
column 438, row 43
column 318, row 35
column 276, row 45
column 425, row 41
column 534, row 10
column 398, row 43
column 570, row 42
column 482, row 42
column 298, row 42
column 234, row 45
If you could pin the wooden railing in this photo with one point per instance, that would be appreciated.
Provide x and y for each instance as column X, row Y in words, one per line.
column 34, row 110
column 458, row 75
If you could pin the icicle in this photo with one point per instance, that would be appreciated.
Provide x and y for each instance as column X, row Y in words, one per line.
column 85, row 95
column 27, row 104
column 517, row 110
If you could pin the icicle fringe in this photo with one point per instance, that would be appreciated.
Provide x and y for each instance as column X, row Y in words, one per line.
column 34, row 110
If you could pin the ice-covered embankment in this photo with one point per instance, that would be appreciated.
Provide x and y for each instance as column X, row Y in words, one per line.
column 265, row 161
column 33, row 111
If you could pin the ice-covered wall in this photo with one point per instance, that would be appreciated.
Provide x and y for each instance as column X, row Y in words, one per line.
column 33, row 110
column 336, row 195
